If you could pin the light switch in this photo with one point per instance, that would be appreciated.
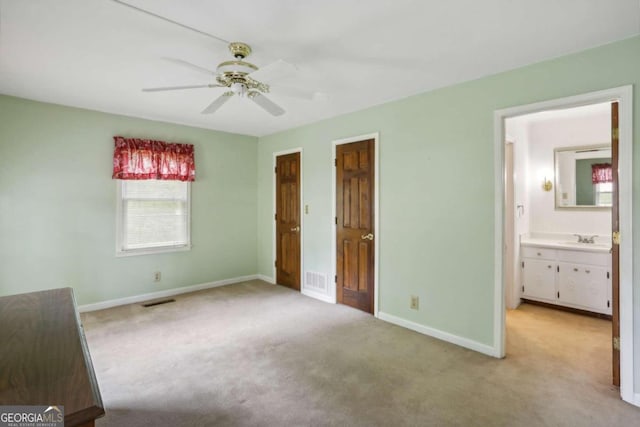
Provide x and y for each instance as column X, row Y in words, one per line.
column 306, row 209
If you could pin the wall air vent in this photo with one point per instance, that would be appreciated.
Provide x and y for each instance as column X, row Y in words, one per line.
column 157, row 302
column 315, row 281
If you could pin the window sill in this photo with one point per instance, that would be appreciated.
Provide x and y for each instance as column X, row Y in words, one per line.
column 152, row 251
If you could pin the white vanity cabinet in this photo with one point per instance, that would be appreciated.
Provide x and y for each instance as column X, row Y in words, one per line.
column 573, row 278
column 540, row 279
column 583, row 286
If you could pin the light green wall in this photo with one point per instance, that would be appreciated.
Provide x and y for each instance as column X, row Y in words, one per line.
column 436, row 232
column 57, row 204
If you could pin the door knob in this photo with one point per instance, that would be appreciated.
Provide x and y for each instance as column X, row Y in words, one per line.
column 296, row 228
column 367, row 236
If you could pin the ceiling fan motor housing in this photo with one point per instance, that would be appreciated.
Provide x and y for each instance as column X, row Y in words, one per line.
column 238, row 68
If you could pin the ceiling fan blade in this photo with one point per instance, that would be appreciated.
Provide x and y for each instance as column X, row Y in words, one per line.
column 190, row 65
column 219, row 102
column 122, row 3
column 275, row 71
column 264, row 102
column 164, row 88
column 293, row 92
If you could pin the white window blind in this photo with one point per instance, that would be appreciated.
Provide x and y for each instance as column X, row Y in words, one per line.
column 604, row 193
column 153, row 215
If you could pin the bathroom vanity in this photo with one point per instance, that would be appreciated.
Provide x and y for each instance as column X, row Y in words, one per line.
column 558, row 270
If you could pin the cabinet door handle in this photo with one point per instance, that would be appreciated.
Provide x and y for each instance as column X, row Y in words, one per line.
column 587, row 271
column 548, row 266
column 539, row 254
column 575, row 269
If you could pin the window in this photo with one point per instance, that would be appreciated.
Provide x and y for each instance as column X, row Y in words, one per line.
column 604, row 193
column 153, row 216
column 602, row 179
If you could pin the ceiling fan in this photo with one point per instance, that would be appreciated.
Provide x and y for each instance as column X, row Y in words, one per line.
column 241, row 78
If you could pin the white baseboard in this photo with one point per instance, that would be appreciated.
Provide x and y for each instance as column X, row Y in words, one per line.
column 306, row 292
column 317, row 295
column 441, row 335
column 161, row 294
column 266, row 279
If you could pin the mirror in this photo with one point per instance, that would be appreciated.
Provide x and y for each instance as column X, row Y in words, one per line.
column 583, row 177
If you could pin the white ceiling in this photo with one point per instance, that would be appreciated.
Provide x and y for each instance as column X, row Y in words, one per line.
column 98, row 54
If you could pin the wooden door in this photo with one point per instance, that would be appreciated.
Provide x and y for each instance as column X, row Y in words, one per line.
column 288, row 220
column 615, row 248
column 355, row 224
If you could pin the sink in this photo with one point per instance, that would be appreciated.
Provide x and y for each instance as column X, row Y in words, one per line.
column 602, row 245
column 587, row 245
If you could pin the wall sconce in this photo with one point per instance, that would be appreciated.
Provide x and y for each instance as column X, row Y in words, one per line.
column 547, row 185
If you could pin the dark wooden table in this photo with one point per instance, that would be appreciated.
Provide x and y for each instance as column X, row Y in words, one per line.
column 44, row 359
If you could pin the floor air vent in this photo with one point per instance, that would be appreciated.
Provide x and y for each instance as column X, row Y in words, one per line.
column 315, row 281
column 158, row 302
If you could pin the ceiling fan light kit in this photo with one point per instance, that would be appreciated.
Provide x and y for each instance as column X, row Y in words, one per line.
column 239, row 89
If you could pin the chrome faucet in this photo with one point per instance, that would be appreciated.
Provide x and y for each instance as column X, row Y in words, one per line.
column 586, row 239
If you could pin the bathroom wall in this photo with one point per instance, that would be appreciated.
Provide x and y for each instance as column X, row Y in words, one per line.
column 545, row 134
column 517, row 132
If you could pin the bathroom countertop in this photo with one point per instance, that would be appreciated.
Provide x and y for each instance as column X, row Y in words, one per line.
column 565, row 243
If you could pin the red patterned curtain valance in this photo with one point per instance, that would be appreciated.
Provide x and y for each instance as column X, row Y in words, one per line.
column 601, row 172
column 138, row 159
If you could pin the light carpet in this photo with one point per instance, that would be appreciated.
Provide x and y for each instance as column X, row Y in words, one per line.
column 262, row 355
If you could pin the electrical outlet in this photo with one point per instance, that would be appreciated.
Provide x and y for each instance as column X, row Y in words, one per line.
column 415, row 302
column 157, row 276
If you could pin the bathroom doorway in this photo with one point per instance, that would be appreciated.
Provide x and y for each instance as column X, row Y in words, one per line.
column 543, row 215
column 562, row 246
